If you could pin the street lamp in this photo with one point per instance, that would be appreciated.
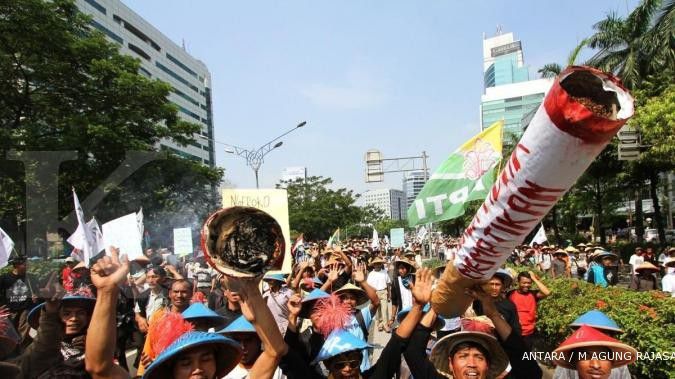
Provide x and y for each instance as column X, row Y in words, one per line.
column 254, row 158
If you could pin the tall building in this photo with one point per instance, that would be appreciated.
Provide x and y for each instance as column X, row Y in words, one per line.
column 413, row 182
column 509, row 94
column 390, row 201
column 162, row 59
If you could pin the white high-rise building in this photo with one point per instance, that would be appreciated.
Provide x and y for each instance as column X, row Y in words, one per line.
column 413, row 182
column 509, row 95
column 162, row 59
column 390, row 201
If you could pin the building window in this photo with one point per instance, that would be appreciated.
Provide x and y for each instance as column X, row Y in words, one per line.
column 187, row 112
column 176, row 76
column 181, row 65
column 135, row 31
column 144, row 72
column 138, row 51
column 186, row 97
column 107, row 32
column 96, row 5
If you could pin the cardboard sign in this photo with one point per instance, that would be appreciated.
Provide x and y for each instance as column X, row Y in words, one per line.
column 182, row 241
column 124, row 234
column 397, row 237
column 271, row 201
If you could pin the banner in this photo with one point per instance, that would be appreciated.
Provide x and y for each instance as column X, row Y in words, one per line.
column 421, row 233
column 272, row 201
column 540, row 237
column 465, row 176
column 124, row 234
column 6, row 247
column 397, row 237
column 182, row 241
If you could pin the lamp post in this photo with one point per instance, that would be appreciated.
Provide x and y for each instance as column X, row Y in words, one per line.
column 255, row 157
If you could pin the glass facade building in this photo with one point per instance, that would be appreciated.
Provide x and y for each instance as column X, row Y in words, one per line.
column 509, row 94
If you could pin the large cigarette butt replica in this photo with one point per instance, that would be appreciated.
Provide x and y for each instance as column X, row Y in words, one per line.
column 579, row 116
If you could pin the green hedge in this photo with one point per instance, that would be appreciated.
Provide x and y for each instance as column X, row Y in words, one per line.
column 647, row 318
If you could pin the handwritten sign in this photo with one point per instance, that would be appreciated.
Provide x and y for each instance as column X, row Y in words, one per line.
column 271, row 201
column 397, row 237
column 182, row 241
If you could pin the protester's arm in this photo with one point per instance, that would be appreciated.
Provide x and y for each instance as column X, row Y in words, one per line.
column 294, row 306
column 331, row 277
column 295, row 283
column 360, row 279
column 172, row 270
column 255, row 310
column 543, row 290
column 106, row 274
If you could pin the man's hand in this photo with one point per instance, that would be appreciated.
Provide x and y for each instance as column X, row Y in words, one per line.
column 486, row 300
column 246, row 288
column 533, row 275
column 333, row 273
column 294, row 305
column 142, row 324
column 52, row 295
column 108, row 272
column 359, row 274
column 421, row 289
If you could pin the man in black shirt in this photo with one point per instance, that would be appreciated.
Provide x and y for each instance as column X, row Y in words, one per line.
column 494, row 287
column 231, row 310
column 18, row 293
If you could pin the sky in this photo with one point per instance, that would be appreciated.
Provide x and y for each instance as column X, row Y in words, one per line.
column 398, row 76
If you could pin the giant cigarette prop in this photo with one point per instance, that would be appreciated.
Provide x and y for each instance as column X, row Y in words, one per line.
column 579, row 116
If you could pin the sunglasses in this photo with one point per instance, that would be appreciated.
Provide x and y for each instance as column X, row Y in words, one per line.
column 354, row 363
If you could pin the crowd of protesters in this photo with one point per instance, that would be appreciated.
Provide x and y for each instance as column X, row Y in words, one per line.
column 182, row 319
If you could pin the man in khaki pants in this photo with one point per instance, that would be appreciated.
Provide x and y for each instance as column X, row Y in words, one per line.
column 379, row 280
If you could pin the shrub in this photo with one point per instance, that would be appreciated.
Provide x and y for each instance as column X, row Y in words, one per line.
column 647, row 318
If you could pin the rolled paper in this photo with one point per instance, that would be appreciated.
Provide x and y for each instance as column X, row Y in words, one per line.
column 242, row 242
column 581, row 113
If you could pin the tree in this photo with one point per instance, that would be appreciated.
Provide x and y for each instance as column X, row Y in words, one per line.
column 65, row 87
column 551, row 70
column 316, row 210
column 655, row 116
column 637, row 46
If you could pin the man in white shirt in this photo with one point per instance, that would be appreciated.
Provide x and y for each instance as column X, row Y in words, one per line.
column 668, row 280
column 636, row 259
column 379, row 280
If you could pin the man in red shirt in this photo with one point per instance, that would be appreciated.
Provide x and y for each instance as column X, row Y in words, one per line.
column 526, row 300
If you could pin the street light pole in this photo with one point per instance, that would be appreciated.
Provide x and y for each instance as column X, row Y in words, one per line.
column 255, row 158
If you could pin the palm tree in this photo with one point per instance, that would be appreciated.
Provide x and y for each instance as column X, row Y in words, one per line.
column 552, row 70
column 638, row 45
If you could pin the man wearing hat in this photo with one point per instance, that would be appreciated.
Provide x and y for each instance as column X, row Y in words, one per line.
column 644, row 278
column 276, row 296
column 66, row 277
column 494, row 288
column 668, row 280
column 401, row 296
column 17, row 292
column 600, row 321
column 559, row 265
column 75, row 313
column 378, row 279
column 603, row 271
column 636, row 259
column 593, row 354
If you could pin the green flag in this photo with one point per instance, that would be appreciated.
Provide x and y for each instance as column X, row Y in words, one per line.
column 467, row 174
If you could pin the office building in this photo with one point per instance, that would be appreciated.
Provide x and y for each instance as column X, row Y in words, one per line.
column 413, row 182
column 162, row 59
column 392, row 202
column 509, row 94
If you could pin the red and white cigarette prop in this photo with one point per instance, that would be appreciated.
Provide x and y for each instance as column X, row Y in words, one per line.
column 579, row 116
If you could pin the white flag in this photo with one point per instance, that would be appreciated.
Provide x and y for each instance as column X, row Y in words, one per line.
column 97, row 240
column 6, row 247
column 421, row 233
column 86, row 234
column 139, row 219
column 376, row 240
column 540, row 237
